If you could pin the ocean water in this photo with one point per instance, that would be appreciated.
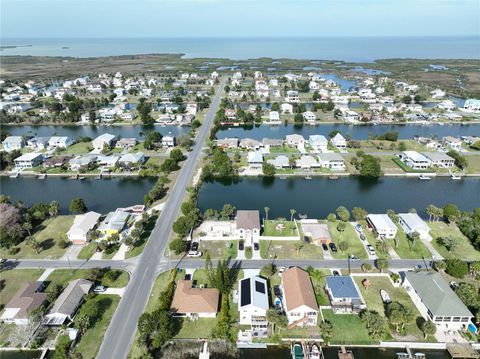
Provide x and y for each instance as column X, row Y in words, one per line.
column 353, row 49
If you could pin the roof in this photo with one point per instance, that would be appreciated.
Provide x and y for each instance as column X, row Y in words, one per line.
column 132, row 157
column 83, row 223
column 106, row 137
column 248, row 219
column 68, row 301
column 381, row 221
column 294, row 138
column 338, row 137
column 28, row 156
column 437, row 295
column 298, row 289
column 437, row 156
column 452, row 139
column 413, row 221
column 256, row 157
column 316, row 230
column 13, row 139
column 307, row 161
column 330, row 156
column 415, row 156
column 114, row 221
column 281, row 161
column 194, row 300
column 27, row 299
column 342, row 287
column 318, row 139
column 253, row 292
column 272, row 141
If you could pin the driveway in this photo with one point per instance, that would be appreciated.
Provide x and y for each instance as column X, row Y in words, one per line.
column 364, row 243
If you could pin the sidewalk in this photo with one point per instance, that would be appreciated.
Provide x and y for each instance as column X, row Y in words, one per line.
column 71, row 252
column 120, row 255
column 45, row 275
column 428, row 244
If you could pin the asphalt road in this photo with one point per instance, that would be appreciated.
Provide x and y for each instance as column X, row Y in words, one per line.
column 121, row 331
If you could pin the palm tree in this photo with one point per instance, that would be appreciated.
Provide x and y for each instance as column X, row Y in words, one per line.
column 292, row 213
column 430, row 211
column 266, row 212
column 298, row 246
column 28, row 227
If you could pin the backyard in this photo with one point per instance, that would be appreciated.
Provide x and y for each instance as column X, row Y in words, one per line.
column 280, row 228
column 64, row 276
column 347, row 329
column 464, row 248
column 289, row 250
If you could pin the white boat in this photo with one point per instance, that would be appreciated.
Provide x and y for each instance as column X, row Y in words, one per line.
column 14, row 175
column 385, row 297
column 456, row 177
column 314, row 352
column 424, row 177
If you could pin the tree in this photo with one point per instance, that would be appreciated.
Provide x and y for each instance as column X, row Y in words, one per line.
column 456, row 267
column 178, row 246
column 366, row 267
column 268, row 269
column 382, row 264
column 33, row 243
column 326, row 330
column 370, row 167
column 399, row 315
column 343, row 213
column 375, row 323
column 298, row 246
column 266, row 212
column 54, row 208
column 95, row 274
column 62, row 347
column 414, row 237
column 227, row 211
column 359, row 213
column 268, row 169
column 450, row 243
column 428, row 328
column 331, row 217
column 451, row 212
column 176, row 155
column 292, row 213
column 11, row 225
column 430, row 211
column 469, row 294
column 77, row 206
column 460, row 160
column 343, row 246
column 277, row 320
column 341, row 228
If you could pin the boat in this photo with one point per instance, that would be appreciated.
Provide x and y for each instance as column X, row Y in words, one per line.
column 81, row 178
column 333, row 177
column 314, row 352
column 297, row 351
column 456, row 177
column 308, row 177
column 424, row 177
column 278, row 305
column 14, row 175
column 42, row 176
column 385, row 297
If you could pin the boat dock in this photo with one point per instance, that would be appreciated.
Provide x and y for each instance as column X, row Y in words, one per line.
column 463, row 351
column 345, row 354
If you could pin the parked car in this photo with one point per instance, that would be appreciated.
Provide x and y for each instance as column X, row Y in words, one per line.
column 188, row 277
column 354, row 258
column 256, row 246
column 99, row 289
column 193, row 254
column 281, row 270
column 454, row 285
column 371, row 250
column 336, row 273
column 241, row 246
column 325, row 247
column 277, row 291
column 194, row 246
column 333, row 247
column 359, row 228
column 362, row 237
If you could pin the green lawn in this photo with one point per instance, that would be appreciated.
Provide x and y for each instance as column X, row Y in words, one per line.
column 389, row 165
column 287, row 250
column 298, row 332
column 279, row 228
column 371, row 239
column 140, row 244
column 64, row 276
column 78, row 148
column 347, row 329
column 473, row 163
column 465, row 250
column 318, row 281
column 198, row 329
column 408, row 169
column 90, row 342
column 283, row 149
column 87, row 251
column 374, row 301
column 406, row 249
column 355, row 246
column 219, row 249
column 12, row 280
column 48, row 234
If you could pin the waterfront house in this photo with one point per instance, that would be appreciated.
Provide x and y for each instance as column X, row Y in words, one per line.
column 81, row 227
column 248, row 226
column 279, row 162
column 250, row 143
column 446, row 105
column 272, row 142
column 295, row 140
column 299, row 299
column 113, row 223
column 231, row 142
column 286, row 108
column 472, row 105
column 332, row 160
column 274, row 118
column 168, row 140
column 339, row 141
column 437, row 93
column 452, row 142
column 411, row 223
column 68, row 302
column 382, row 225
column 255, row 160
column 253, row 304
column 440, row 159
column 415, row 160
column 318, row 232
column 126, row 143
column 132, row 158
column 59, row 142
column 307, row 162
column 193, row 302
column 107, row 161
column 13, row 143
column 309, row 117
column 344, row 295
column 319, row 143
column 37, row 143
column 102, row 140
column 29, row 298
column 436, row 301
column 81, row 161
column 28, row 160
column 230, row 114
column 351, row 117
column 57, row 161
column 292, row 96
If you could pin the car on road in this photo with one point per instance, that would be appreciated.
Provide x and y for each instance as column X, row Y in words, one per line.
column 277, row 291
column 359, row 228
column 256, row 246
column 354, row 258
column 333, row 247
column 194, row 246
column 454, row 285
column 336, row 273
column 99, row 289
column 241, row 246
column 325, row 247
column 194, row 254
column 370, row 250
column 281, row 270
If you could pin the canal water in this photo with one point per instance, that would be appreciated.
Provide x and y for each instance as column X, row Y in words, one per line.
column 99, row 195
column 356, row 132
column 136, row 131
column 320, row 196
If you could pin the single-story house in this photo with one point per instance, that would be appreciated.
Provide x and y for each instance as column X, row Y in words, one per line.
column 272, row 142
column 129, row 158
column 344, row 294
column 81, row 161
column 279, row 162
column 253, row 304
column 113, row 223
column 339, row 141
column 13, row 143
column 248, row 226
column 307, row 162
column 255, row 160
column 332, row 160
column 104, row 139
column 126, row 143
column 228, row 142
column 250, row 143
column 37, row 143
column 452, row 142
column 440, row 159
column 411, row 222
column 415, row 160
column 318, row 143
column 436, row 301
column 318, row 232
column 194, row 302
column 28, row 160
column 60, row 141
column 168, row 140
column 82, row 225
column 295, row 140
column 26, row 300
column 107, row 161
column 68, row 302
column 299, row 299
column 382, row 225
column 56, row 161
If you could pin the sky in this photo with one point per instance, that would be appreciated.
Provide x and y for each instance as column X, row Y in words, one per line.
column 238, row 18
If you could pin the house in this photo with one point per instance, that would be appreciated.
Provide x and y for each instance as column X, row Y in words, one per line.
column 126, row 143
column 228, row 142
column 472, row 105
column 437, row 93
column 446, row 105
column 230, row 114
column 274, row 118
column 319, row 143
column 25, row 301
column 411, row 223
column 37, row 143
column 82, row 225
column 344, row 295
column 299, row 299
column 279, row 162
column 272, row 142
column 253, row 304
column 168, row 140
column 102, row 140
column 294, row 140
column 194, row 302
column 339, row 141
column 107, row 161
column 60, row 142
column 286, row 108
column 68, row 302
column 351, row 116
column 436, row 301
column 318, row 232
column 250, row 143
column 415, row 160
column 81, row 161
column 113, row 223
column 13, row 143
column 28, row 160
column 57, row 161
column 307, row 162
column 248, row 226
column 292, row 96
column 309, row 117
column 382, row 225
column 131, row 158
column 452, row 142
column 440, row 159
column 255, row 160
column 333, row 161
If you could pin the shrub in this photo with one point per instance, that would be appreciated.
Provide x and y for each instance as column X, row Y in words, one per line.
column 456, row 268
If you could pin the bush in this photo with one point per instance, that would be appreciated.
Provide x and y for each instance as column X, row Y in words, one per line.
column 62, row 243
column 178, row 246
column 456, row 268
column 14, row 250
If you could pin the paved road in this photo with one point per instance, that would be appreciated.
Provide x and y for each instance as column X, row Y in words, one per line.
column 120, row 333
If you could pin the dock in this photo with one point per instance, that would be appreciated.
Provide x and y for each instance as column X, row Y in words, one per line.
column 345, row 354
column 463, row 351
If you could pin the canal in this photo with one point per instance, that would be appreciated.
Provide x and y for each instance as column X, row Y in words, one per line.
column 361, row 132
column 320, row 196
column 99, row 195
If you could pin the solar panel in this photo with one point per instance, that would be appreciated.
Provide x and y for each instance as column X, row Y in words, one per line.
column 260, row 287
column 245, row 297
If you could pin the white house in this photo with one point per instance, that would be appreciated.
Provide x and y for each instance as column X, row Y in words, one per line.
column 472, row 105
column 382, row 225
column 104, row 139
column 37, row 143
column 59, row 142
column 255, row 159
column 411, row 222
column 452, row 142
column 248, row 226
column 280, row 162
column 292, row 96
column 319, row 143
column 82, row 225
column 440, row 159
column 339, row 141
column 13, row 143
column 333, row 161
column 309, row 117
column 415, row 160
column 344, row 294
column 295, row 140
column 28, row 160
column 351, row 116
column 274, row 118
column 253, row 304
column 286, row 108
column 168, row 140
column 299, row 299
column 307, row 162
column 129, row 158
column 437, row 93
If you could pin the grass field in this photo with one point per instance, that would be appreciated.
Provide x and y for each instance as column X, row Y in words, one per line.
column 12, row 280
column 465, row 250
column 355, row 246
column 137, row 249
column 318, row 281
column 406, row 249
column 87, row 251
column 78, row 148
column 347, row 329
column 219, row 249
column 288, row 250
column 198, row 329
column 64, row 276
column 285, row 228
